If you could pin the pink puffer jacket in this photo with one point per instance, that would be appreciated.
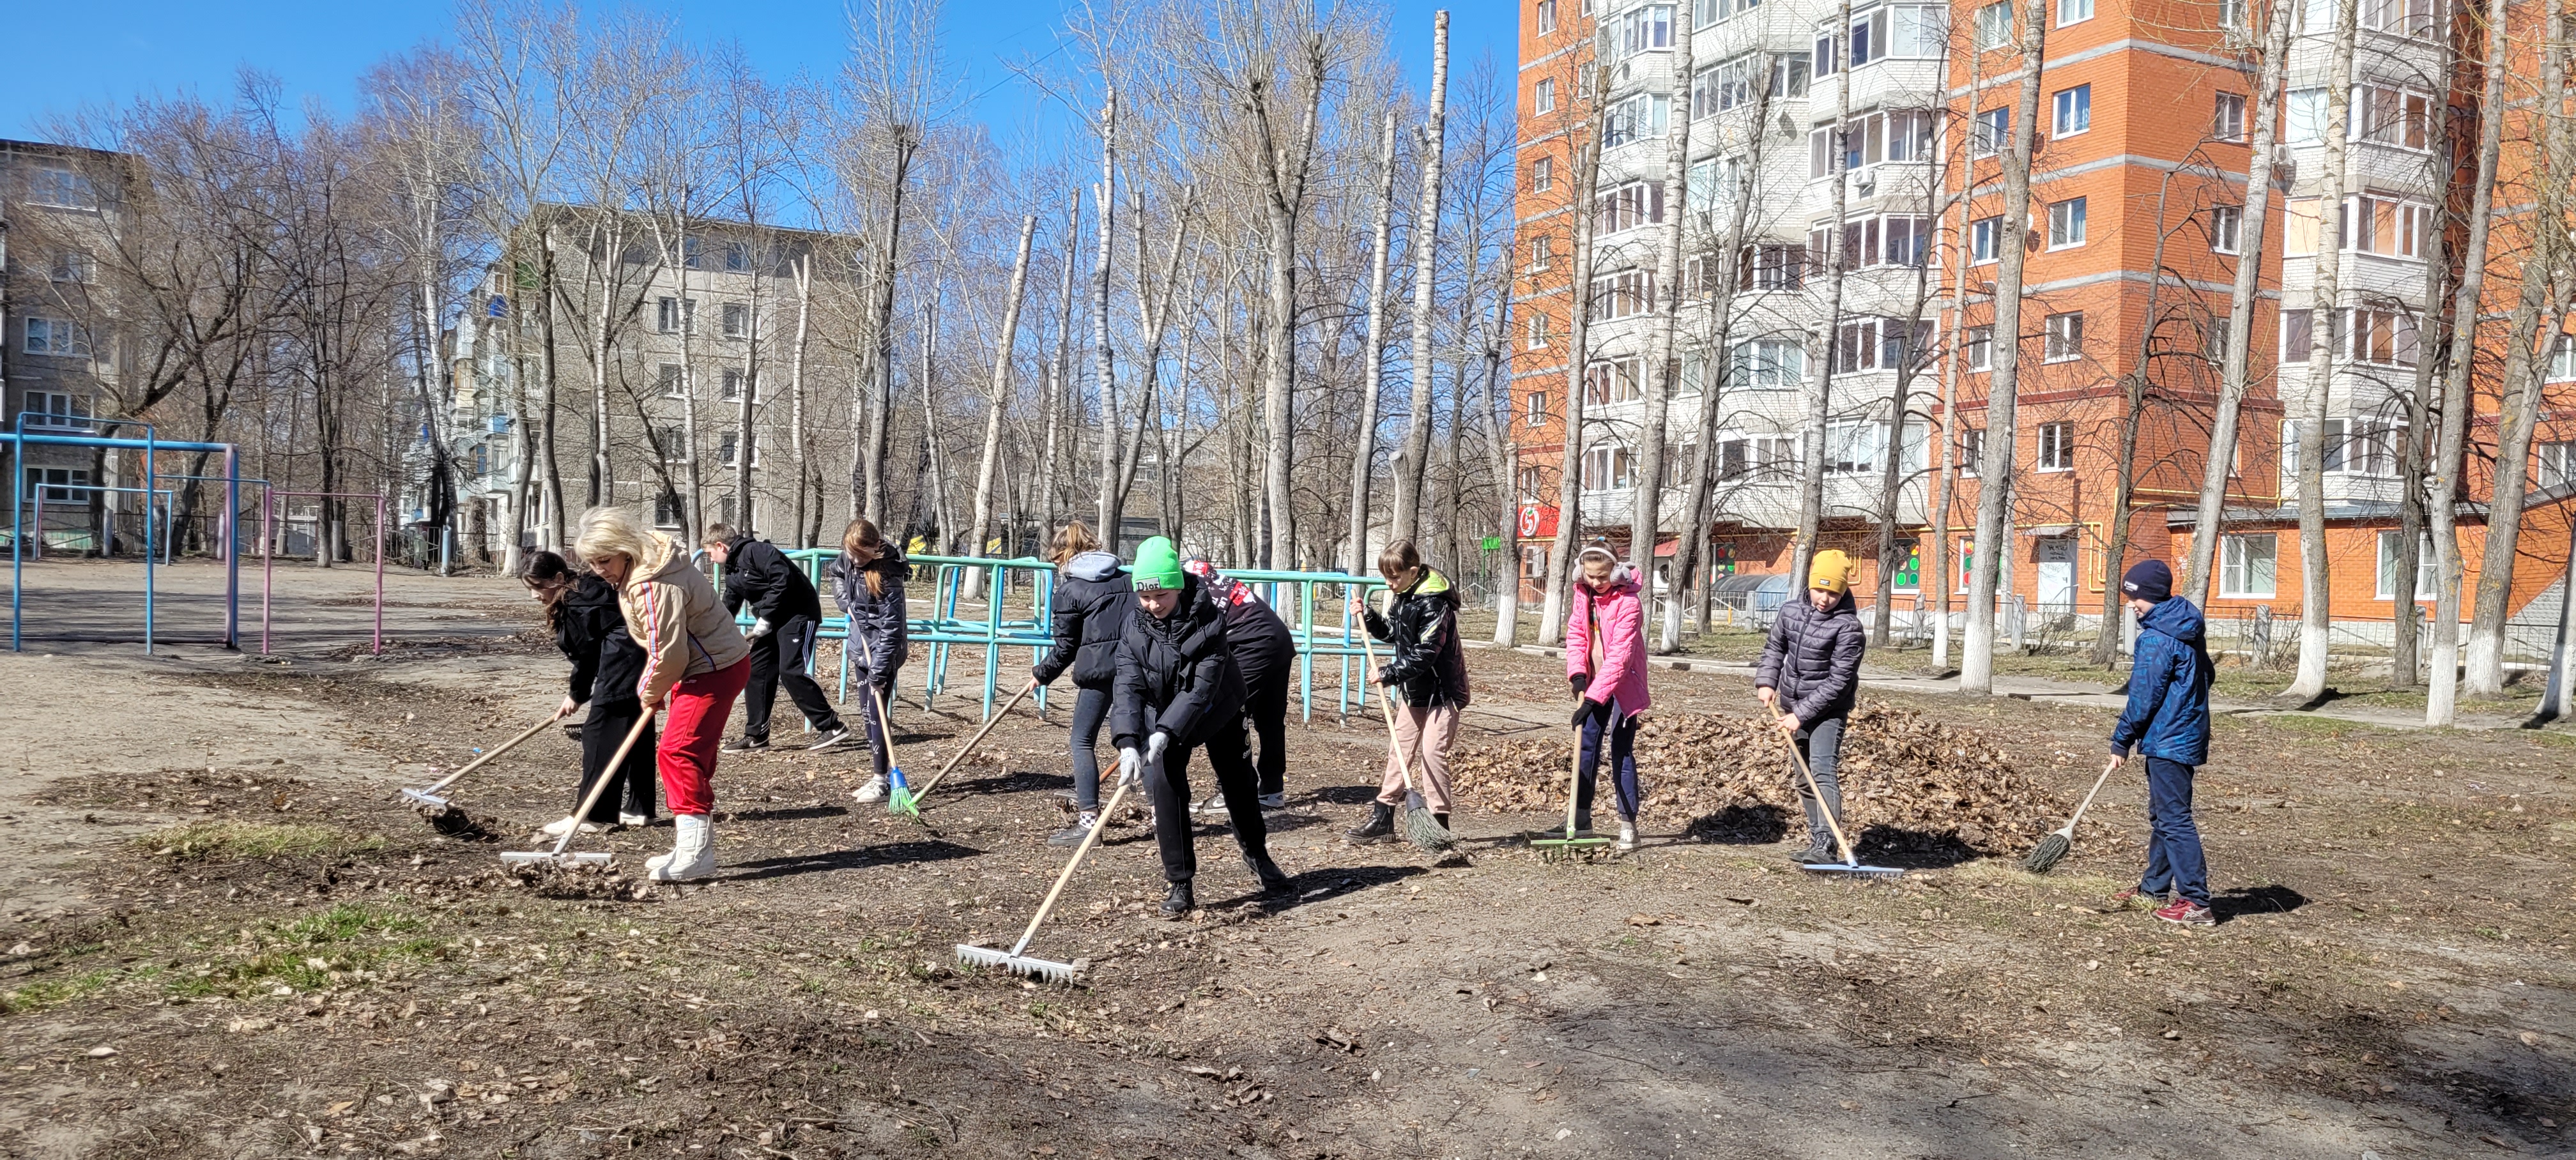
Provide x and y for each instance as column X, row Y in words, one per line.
column 1619, row 620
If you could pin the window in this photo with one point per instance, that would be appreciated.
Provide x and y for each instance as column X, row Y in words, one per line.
column 1992, row 132
column 1645, row 29
column 737, row 320
column 1854, row 448
column 61, row 189
column 737, row 257
column 2381, row 337
column 2073, row 12
column 57, row 336
column 669, row 381
column 1916, row 32
column 1707, row 12
column 1609, row 469
column 1542, row 252
column 2305, row 122
column 2562, row 359
column 2057, row 446
column 1877, row 241
column 1972, row 451
column 2398, row 17
column 2066, row 223
column 1789, row 73
column 1770, row 364
column 1543, row 175
column 2557, row 465
column 673, row 445
column 1543, row 95
column 2226, row 229
column 1546, row 17
column 2393, row 116
column 1994, row 24
column 2299, row 227
column 63, row 485
column 675, row 315
column 2213, row 341
column 2427, row 582
column 1627, row 207
column 732, row 443
column 1711, row 185
column 1534, row 409
column 2065, row 337
column 1636, row 119
column 2368, row 223
column 733, row 383
column 1727, row 86
column 1537, row 331
column 73, row 266
column 2297, row 336
column 54, row 409
column 2245, row 565
column 1871, row 344
column 1905, row 135
column 2231, row 15
column 666, row 510
column 1771, row 267
column 2074, row 107
column 1625, row 294
column 1985, row 235
column 1977, row 348
column 2228, row 122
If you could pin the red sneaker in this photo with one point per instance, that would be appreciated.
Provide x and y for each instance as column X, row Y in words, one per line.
column 2185, row 912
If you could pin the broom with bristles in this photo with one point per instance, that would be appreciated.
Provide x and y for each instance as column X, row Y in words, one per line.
column 1421, row 827
column 2054, row 848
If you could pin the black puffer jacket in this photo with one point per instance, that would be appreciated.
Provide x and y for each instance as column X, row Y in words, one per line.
column 1427, row 663
column 1091, row 603
column 758, row 574
column 1175, row 674
column 879, row 624
column 1264, row 649
column 591, row 631
column 1813, row 659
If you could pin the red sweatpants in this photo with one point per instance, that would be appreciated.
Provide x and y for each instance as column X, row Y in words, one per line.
column 699, row 706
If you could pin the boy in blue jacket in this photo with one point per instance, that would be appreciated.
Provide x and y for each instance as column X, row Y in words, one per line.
column 2167, row 722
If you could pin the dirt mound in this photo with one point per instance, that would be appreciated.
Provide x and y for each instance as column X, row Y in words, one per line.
column 1912, row 784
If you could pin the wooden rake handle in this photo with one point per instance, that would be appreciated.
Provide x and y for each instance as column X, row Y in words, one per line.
column 971, row 743
column 1079, row 852
column 885, row 721
column 497, row 751
column 606, row 775
column 1386, row 708
column 1822, row 806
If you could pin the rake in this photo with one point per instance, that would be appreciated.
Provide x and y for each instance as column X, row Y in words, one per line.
column 1572, row 844
column 1849, row 865
column 2053, row 849
column 1421, row 827
column 899, row 797
column 971, row 743
column 607, row 774
column 428, row 795
column 1015, row 960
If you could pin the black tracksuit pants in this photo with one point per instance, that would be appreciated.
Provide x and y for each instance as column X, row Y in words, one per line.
column 783, row 657
column 1265, row 708
column 1169, row 787
column 601, row 733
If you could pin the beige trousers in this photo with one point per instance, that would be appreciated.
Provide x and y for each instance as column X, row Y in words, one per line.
column 1424, row 734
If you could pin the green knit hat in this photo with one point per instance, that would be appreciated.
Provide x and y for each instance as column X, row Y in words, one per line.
column 1157, row 566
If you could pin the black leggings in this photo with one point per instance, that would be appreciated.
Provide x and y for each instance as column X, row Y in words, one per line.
column 601, row 733
column 1169, row 786
column 1265, row 708
column 1090, row 709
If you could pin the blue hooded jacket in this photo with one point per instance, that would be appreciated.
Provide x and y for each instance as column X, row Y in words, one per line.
column 2168, row 711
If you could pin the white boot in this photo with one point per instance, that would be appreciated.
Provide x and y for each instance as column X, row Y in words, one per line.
column 1627, row 834
column 873, row 791
column 693, row 851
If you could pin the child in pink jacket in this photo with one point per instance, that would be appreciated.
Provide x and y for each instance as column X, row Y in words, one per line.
column 1605, row 661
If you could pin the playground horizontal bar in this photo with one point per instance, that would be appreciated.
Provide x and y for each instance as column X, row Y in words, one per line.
column 100, row 441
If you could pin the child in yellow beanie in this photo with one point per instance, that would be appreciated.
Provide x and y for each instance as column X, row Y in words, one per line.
column 1810, row 672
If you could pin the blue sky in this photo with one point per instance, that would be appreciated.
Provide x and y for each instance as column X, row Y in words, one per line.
column 85, row 53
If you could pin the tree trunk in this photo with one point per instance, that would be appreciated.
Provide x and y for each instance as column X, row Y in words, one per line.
column 1284, row 187
column 2124, row 484
column 2414, row 451
column 1364, row 458
column 1995, row 465
column 1412, row 459
column 1818, row 383
column 804, row 273
column 1663, row 355
column 2316, row 586
column 871, row 497
column 1058, row 398
column 1000, row 397
column 1936, row 563
column 1569, row 478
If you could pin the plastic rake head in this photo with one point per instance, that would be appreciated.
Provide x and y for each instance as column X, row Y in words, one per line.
column 1562, row 848
column 550, row 858
column 1853, row 870
column 431, row 800
column 1045, row 969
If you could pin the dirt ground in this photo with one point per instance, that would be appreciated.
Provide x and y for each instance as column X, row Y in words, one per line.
column 222, row 936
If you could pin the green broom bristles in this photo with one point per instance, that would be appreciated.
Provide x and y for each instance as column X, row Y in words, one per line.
column 1423, row 829
column 2048, row 853
column 899, row 799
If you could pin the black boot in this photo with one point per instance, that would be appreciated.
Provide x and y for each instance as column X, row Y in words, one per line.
column 1274, row 881
column 1180, row 902
column 1378, row 828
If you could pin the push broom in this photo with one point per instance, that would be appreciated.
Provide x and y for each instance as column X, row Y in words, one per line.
column 607, row 773
column 2053, row 849
column 971, row 743
column 428, row 795
column 1849, row 865
column 1420, row 826
column 899, row 797
column 1016, row 960
column 1551, row 849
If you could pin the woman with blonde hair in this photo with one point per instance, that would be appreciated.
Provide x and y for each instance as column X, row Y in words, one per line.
column 694, row 659
column 867, row 582
column 1092, row 596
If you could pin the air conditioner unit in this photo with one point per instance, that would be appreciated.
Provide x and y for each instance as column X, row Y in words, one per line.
column 1864, row 184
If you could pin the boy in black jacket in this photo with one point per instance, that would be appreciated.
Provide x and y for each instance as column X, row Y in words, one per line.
column 1177, row 690
column 785, row 612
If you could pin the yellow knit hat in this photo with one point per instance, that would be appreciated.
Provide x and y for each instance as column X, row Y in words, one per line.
column 1831, row 570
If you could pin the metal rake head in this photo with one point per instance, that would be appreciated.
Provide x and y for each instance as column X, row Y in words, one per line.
column 431, row 800
column 550, row 858
column 1852, row 870
column 1044, row 969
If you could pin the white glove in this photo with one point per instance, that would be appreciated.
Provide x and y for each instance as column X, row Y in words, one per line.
column 759, row 629
column 1131, row 766
column 1156, row 744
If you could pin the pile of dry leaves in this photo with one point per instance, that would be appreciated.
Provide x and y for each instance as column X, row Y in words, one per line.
column 1910, row 783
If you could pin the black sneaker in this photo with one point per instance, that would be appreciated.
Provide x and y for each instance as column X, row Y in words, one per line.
column 1274, row 881
column 831, row 737
column 746, row 745
column 1074, row 834
column 1380, row 826
column 1815, row 855
column 1180, row 902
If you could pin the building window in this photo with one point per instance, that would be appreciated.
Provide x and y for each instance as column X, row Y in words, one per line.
column 1789, row 72
column 2057, row 446
column 2066, row 223
column 737, row 320
column 1772, row 268
column 2557, row 465
column 2381, row 337
column 54, row 409
column 732, row 443
column 675, row 315
column 1626, row 207
column 2074, row 107
column 1985, row 237
column 2073, row 12
column 1992, row 132
column 1994, row 24
column 1644, row 30
column 59, row 337
column 673, row 446
column 1620, row 380
column 1853, row 448
column 2245, row 565
column 1537, row 331
column 2393, row 116
column 61, row 189
column 1546, row 17
column 2228, row 124
column 73, row 266
column 1770, row 364
column 669, row 382
column 1972, row 450
column 2065, row 337
column 1877, row 241
column 1543, row 175
column 1977, row 348
column 1542, row 252
column 1637, row 118
column 62, row 485
column 1625, row 294
column 2231, row 15
column 2427, row 578
column 1534, row 409
column 2304, row 121
column 2226, row 228
column 2297, row 336
column 666, row 510
column 1609, row 469
column 2213, row 341
column 1543, row 95
column 2398, row 17
column 732, row 389
column 2562, row 359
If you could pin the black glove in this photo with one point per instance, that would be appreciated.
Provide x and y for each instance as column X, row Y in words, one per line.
column 1582, row 712
column 1580, row 681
